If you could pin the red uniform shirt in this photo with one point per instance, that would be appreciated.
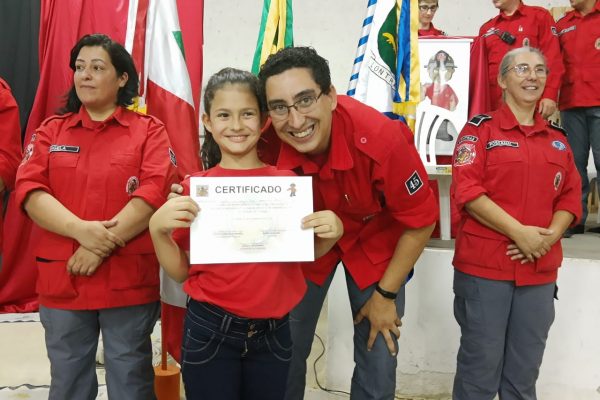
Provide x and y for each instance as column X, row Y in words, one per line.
column 250, row 290
column 432, row 31
column 94, row 169
column 10, row 141
column 532, row 26
column 579, row 38
column 373, row 179
column 529, row 172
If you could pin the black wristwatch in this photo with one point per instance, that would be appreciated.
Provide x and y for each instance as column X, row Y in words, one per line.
column 385, row 293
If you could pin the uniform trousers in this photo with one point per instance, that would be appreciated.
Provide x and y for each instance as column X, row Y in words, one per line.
column 72, row 340
column 503, row 336
column 583, row 133
column 374, row 374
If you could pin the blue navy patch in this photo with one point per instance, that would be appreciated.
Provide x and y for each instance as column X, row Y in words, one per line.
column 501, row 143
column 414, row 183
column 172, row 157
column 557, row 144
column 478, row 119
column 467, row 138
column 62, row 148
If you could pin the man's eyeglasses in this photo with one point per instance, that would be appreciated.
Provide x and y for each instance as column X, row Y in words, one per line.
column 523, row 70
column 428, row 8
column 304, row 105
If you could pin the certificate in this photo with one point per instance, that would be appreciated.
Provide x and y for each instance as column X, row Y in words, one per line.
column 251, row 219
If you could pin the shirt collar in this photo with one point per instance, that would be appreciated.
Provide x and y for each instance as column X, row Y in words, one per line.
column 339, row 156
column 82, row 118
column 596, row 9
column 522, row 10
column 508, row 120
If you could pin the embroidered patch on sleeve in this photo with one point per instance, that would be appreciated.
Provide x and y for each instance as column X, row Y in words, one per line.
column 467, row 138
column 414, row 183
column 465, row 154
column 172, row 157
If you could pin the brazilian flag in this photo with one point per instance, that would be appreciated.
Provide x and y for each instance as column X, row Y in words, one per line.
column 276, row 31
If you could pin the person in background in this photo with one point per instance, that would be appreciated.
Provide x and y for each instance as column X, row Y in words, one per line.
column 237, row 343
column 518, row 25
column 10, row 147
column 91, row 178
column 366, row 170
column 579, row 36
column 427, row 10
column 508, row 248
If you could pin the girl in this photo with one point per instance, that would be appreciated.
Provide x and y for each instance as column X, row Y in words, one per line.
column 236, row 341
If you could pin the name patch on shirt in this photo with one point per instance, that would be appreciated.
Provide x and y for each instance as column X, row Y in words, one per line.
column 501, row 143
column 558, row 145
column 414, row 183
column 467, row 138
column 63, row 148
column 569, row 29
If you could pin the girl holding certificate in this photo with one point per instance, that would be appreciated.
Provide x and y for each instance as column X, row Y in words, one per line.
column 237, row 341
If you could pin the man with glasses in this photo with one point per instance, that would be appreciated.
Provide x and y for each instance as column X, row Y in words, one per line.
column 518, row 25
column 579, row 36
column 365, row 169
column 427, row 9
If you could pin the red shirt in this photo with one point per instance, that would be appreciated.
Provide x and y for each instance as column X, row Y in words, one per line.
column 251, row 290
column 94, row 169
column 529, row 172
column 432, row 31
column 531, row 26
column 10, row 141
column 579, row 38
column 373, row 179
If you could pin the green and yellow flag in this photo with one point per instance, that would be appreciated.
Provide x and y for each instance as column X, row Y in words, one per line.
column 276, row 31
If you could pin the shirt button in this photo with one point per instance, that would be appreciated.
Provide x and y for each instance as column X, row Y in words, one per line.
column 363, row 140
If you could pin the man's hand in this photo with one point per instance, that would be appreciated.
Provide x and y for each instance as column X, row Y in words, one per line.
column 95, row 236
column 83, row 262
column 547, row 107
column 326, row 224
column 383, row 317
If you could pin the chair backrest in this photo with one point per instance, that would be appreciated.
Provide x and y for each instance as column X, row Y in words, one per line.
column 428, row 122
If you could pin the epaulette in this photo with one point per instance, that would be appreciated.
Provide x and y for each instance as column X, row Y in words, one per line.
column 557, row 127
column 55, row 116
column 478, row 119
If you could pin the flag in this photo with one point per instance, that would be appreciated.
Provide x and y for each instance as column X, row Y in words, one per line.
column 155, row 40
column 276, row 31
column 62, row 23
column 385, row 74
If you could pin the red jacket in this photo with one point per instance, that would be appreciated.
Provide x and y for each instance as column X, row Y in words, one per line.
column 527, row 171
column 579, row 38
column 531, row 26
column 94, row 169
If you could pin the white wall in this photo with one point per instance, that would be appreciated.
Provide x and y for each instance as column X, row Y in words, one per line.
column 330, row 26
column 430, row 335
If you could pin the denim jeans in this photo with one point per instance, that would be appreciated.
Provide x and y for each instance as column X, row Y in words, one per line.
column 374, row 374
column 583, row 133
column 226, row 357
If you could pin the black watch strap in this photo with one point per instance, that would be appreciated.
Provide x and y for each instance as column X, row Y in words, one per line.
column 385, row 293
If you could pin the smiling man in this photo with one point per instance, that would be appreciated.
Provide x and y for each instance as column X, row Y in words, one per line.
column 364, row 168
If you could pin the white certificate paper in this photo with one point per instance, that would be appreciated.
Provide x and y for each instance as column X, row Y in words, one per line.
column 251, row 219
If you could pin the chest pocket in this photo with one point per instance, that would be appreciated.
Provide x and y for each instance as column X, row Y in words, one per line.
column 62, row 168
column 556, row 167
column 504, row 155
column 123, row 177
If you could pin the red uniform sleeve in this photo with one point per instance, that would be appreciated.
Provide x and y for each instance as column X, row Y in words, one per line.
column 550, row 47
column 570, row 197
column 403, row 180
column 158, row 169
column 468, row 163
column 33, row 171
column 10, row 137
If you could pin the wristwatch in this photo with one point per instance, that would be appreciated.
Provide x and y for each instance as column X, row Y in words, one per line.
column 385, row 293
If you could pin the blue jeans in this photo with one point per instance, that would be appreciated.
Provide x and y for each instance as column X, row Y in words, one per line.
column 374, row 374
column 226, row 357
column 583, row 132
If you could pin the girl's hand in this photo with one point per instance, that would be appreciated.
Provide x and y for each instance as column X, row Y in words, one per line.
column 326, row 224
column 95, row 236
column 177, row 212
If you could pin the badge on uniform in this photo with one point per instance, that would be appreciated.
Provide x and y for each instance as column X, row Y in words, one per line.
column 467, row 138
column 414, row 183
column 557, row 180
column 132, row 184
column 558, row 145
column 526, row 42
column 501, row 143
column 465, row 154
column 27, row 153
column 63, row 148
column 172, row 157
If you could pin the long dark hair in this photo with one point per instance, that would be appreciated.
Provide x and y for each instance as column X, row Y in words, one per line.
column 120, row 59
column 210, row 153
